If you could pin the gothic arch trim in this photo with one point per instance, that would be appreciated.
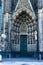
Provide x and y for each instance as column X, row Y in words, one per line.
column 29, row 12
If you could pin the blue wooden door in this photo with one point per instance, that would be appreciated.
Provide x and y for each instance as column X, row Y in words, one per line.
column 23, row 43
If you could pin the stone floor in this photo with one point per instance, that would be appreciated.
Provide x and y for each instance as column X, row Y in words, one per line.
column 21, row 61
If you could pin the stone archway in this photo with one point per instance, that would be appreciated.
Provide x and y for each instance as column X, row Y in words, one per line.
column 24, row 18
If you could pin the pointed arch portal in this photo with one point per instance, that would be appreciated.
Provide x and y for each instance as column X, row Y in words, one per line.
column 24, row 33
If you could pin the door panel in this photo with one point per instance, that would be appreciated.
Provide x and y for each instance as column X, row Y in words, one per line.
column 23, row 43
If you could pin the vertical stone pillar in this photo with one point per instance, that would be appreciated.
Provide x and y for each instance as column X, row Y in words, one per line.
column 9, row 32
column 6, row 30
column 40, row 23
column 3, row 6
column 6, row 9
column 6, row 6
column 3, row 33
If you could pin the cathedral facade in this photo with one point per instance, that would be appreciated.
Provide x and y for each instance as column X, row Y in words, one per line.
column 21, row 30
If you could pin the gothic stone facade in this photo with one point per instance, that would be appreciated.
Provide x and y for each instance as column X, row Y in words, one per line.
column 20, row 29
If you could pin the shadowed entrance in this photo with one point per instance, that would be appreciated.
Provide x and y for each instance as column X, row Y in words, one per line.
column 23, row 44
